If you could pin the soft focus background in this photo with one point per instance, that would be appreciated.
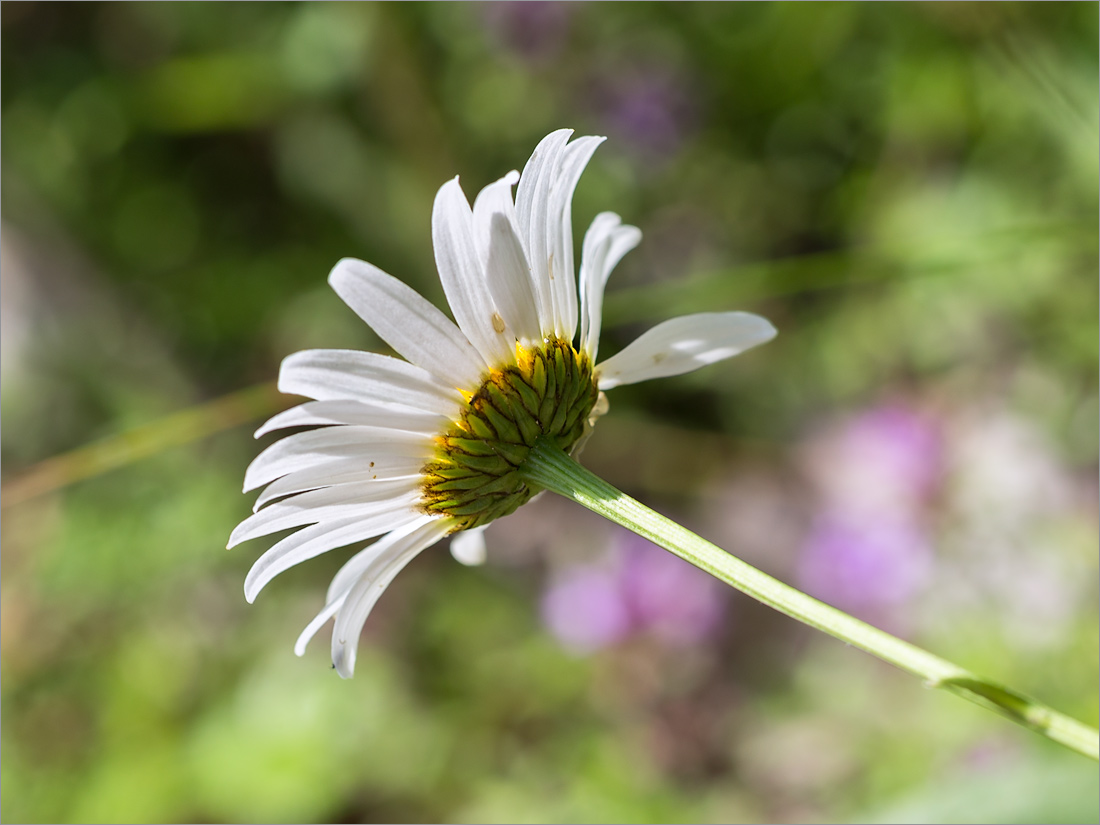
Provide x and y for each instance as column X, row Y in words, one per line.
column 908, row 191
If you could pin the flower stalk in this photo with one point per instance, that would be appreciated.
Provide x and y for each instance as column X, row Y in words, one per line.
column 549, row 467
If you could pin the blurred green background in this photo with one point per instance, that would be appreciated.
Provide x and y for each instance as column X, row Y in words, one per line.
column 909, row 192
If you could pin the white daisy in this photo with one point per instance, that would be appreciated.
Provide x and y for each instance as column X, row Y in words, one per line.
column 413, row 450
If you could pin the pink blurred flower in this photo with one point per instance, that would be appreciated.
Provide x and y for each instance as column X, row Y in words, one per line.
column 885, row 459
column 585, row 610
column 865, row 567
column 668, row 596
column 636, row 588
column 533, row 29
column 651, row 108
column 867, row 550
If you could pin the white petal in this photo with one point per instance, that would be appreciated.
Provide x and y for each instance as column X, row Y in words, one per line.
column 684, row 344
column 463, row 277
column 335, row 473
column 356, row 412
column 532, row 202
column 353, row 568
column 468, row 546
column 510, row 279
column 387, row 448
column 593, row 252
column 507, row 271
column 408, row 323
column 605, row 243
column 350, row 572
column 373, row 580
column 310, row 542
column 363, row 500
column 318, row 621
column 601, row 408
column 340, row 374
column 559, row 228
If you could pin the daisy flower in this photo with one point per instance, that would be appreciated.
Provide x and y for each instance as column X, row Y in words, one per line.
column 416, row 448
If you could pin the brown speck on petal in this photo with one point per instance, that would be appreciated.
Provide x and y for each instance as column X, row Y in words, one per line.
column 498, row 322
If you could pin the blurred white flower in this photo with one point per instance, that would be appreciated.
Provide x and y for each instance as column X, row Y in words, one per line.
column 637, row 587
column 867, row 549
column 885, row 460
column 1021, row 551
column 412, row 450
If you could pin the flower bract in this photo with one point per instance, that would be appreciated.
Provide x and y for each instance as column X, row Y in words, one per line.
column 409, row 450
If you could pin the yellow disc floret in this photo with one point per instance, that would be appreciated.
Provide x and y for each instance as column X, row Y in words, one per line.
column 473, row 478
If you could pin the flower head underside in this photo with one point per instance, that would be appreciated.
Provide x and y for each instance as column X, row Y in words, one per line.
column 414, row 448
column 474, row 478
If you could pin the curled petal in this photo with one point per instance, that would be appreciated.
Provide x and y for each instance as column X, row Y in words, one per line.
column 532, row 213
column 336, row 473
column 605, row 243
column 341, row 374
column 350, row 573
column 507, row 271
column 371, row 414
column 391, row 451
column 365, row 499
column 682, row 345
column 559, row 230
column 463, row 277
column 372, row 582
column 468, row 547
column 407, row 322
column 320, row 538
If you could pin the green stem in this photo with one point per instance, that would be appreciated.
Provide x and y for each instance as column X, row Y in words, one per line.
column 547, row 466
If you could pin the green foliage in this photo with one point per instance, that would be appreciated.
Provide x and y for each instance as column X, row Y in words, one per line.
column 907, row 191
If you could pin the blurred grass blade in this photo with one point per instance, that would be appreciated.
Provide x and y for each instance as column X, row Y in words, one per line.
column 852, row 267
column 183, row 427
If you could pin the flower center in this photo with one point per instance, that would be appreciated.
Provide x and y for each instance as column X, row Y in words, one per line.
column 473, row 477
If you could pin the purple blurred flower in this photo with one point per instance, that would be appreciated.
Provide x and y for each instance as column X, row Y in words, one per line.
column 668, row 596
column 903, row 445
column 865, row 567
column 650, row 108
column 585, row 610
column 637, row 588
column 867, row 551
column 534, row 29
column 885, row 460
